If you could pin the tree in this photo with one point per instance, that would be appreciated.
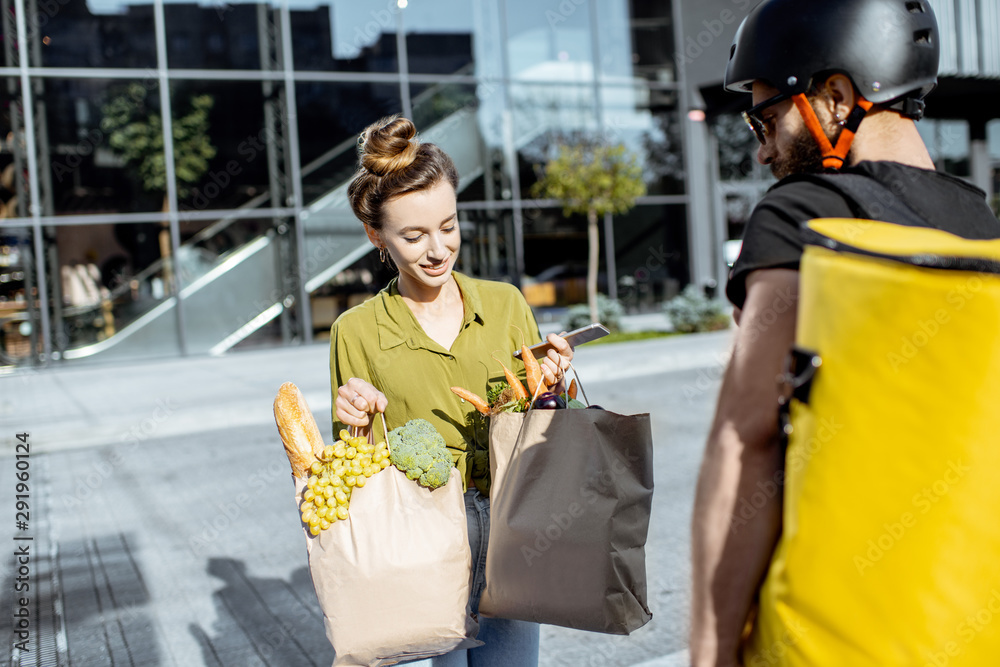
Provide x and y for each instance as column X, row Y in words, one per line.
column 594, row 179
column 135, row 134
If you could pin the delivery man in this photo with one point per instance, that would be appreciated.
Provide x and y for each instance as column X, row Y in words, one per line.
column 837, row 86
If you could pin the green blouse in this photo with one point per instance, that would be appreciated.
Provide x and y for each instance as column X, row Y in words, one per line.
column 381, row 342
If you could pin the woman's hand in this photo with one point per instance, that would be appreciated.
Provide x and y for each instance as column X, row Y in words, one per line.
column 555, row 364
column 357, row 401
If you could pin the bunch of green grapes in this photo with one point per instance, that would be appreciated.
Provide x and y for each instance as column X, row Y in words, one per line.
column 340, row 468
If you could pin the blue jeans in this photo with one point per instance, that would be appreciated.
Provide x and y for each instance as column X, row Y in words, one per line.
column 507, row 643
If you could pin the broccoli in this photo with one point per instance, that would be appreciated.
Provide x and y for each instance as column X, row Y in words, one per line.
column 418, row 450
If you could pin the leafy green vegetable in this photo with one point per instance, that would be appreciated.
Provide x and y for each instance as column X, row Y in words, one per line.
column 419, row 451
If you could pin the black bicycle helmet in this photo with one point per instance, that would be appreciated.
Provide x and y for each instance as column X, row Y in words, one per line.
column 889, row 48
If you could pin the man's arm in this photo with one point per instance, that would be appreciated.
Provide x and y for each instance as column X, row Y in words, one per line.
column 733, row 538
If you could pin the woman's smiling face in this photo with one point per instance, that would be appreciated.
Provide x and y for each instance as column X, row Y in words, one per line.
column 420, row 232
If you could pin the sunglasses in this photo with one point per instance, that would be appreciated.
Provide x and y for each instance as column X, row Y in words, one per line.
column 754, row 120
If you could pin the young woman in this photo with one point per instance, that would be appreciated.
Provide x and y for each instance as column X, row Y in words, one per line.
column 432, row 328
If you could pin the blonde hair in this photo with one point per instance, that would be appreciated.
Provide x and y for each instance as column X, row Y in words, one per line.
column 392, row 163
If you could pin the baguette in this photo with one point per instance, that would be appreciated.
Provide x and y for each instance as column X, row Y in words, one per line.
column 299, row 433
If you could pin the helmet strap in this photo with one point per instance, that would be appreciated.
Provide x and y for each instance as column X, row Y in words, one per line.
column 833, row 156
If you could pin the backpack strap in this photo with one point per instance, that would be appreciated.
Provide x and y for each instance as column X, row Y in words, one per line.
column 868, row 198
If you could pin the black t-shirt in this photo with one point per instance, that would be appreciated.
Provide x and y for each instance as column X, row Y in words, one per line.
column 771, row 239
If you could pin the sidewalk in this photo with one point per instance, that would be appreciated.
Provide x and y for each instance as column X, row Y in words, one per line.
column 163, row 525
column 69, row 407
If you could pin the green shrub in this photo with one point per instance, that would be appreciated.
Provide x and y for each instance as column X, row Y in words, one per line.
column 691, row 311
column 609, row 313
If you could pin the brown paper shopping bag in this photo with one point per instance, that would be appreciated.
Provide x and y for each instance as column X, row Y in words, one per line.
column 569, row 512
column 393, row 579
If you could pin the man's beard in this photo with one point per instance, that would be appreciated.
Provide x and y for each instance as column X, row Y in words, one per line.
column 803, row 157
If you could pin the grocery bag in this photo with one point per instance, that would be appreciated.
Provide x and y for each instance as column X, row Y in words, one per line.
column 569, row 512
column 888, row 551
column 393, row 578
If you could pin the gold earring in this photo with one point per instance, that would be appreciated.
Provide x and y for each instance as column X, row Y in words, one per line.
column 381, row 254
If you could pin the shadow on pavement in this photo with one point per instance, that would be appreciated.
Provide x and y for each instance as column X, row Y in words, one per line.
column 99, row 600
column 263, row 621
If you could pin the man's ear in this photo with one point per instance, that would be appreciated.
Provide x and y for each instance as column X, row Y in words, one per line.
column 373, row 236
column 839, row 95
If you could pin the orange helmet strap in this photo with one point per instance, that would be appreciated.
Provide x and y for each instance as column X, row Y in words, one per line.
column 833, row 156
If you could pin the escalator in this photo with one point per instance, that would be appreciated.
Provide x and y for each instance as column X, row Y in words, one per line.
column 228, row 297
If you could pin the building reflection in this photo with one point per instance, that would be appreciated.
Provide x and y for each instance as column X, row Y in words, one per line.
column 121, row 253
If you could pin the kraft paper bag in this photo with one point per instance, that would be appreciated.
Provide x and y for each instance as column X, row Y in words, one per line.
column 569, row 513
column 393, row 579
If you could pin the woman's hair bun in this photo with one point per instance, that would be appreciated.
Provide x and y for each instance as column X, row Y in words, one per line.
column 388, row 145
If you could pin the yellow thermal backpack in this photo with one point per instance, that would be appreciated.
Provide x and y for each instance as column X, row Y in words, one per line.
column 890, row 550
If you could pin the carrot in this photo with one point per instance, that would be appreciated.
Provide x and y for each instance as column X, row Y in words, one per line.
column 571, row 392
column 512, row 380
column 477, row 402
column 532, row 369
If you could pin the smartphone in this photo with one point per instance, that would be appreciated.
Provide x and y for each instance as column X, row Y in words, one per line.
column 574, row 338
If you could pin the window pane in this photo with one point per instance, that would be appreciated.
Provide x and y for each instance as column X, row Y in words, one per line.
column 652, row 41
column 109, row 277
column 436, row 102
column 651, row 254
column 224, row 156
column 555, row 258
column 105, row 142
column 102, row 33
column 737, row 150
column 220, row 36
column 246, row 285
column 993, row 142
column 492, row 123
column 948, row 143
column 550, row 45
column 330, row 117
column 19, row 315
column 615, row 41
column 546, row 117
column 14, row 188
column 345, row 35
column 447, row 114
column 487, row 243
column 647, row 122
column 440, row 36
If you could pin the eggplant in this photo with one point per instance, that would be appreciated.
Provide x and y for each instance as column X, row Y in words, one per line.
column 549, row 401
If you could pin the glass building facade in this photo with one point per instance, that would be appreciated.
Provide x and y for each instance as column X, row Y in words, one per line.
column 173, row 174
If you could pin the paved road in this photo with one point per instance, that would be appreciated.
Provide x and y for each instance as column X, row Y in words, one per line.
column 165, row 531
